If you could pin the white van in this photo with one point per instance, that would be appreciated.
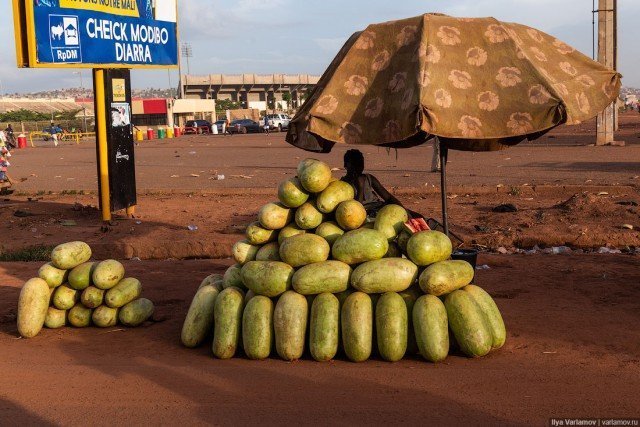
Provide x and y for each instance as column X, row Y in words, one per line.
column 278, row 121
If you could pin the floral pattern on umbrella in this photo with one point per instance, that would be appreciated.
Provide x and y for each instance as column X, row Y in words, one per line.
column 469, row 80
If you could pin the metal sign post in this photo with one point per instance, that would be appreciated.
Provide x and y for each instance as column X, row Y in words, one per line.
column 111, row 38
column 115, row 146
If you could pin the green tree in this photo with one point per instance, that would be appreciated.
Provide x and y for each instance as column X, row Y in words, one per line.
column 226, row 104
column 23, row 115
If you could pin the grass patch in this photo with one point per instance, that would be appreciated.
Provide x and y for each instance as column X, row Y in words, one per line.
column 515, row 191
column 31, row 253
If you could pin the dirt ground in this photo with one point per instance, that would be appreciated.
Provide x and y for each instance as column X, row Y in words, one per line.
column 577, row 217
column 561, row 157
column 557, row 183
column 572, row 351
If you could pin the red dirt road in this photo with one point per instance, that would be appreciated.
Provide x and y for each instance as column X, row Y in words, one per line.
column 572, row 351
column 248, row 161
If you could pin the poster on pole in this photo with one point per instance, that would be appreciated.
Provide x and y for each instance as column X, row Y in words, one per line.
column 99, row 33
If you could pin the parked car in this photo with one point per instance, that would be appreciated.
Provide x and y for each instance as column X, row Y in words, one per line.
column 197, row 127
column 244, row 126
column 219, row 125
column 278, row 121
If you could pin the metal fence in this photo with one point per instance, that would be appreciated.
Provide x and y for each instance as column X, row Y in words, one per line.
column 69, row 125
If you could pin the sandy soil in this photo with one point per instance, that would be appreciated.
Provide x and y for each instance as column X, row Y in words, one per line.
column 572, row 351
column 577, row 217
column 555, row 182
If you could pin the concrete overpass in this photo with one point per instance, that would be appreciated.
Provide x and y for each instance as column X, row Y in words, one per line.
column 250, row 90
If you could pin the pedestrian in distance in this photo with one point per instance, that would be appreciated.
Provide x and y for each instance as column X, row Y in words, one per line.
column 266, row 125
column 11, row 139
column 226, row 127
column 5, row 181
column 54, row 130
column 3, row 139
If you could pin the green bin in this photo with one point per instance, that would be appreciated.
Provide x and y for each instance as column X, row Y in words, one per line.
column 162, row 133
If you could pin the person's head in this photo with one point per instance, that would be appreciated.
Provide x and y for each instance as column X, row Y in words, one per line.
column 354, row 161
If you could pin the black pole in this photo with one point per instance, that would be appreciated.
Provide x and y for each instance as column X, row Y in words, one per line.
column 444, row 151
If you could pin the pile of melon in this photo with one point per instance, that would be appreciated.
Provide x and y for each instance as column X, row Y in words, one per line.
column 71, row 290
column 314, row 272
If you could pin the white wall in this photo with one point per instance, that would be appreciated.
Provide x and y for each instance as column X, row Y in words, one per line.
column 193, row 106
column 258, row 105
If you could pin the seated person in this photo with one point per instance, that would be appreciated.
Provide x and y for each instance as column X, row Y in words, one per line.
column 368, row 189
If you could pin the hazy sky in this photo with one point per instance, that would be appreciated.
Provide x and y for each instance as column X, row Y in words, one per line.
column 302, row 36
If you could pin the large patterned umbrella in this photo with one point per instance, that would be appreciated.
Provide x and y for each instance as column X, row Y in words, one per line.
column 477, row 84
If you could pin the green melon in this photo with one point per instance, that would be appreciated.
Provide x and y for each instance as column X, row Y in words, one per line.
column 257, row 328
column 390, row 220
column 357, row 246
column 308, row 217
column 468, row 324
column 324, row 327
column 304, row 249
column 350, row 215
column 431, row 328
column 268, row 278
column 492, row 313
column 291, row 193
column 290, row 325
column 330, row 231
column 314, row 175
column 384, row 275
column 445, row 277
column 428, row 247
column 357, row 326
column 274, row 216
column 327, row 276
column 336, row 193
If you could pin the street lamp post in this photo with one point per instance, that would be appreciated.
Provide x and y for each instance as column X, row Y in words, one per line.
column 84, row 107
column 186, row 51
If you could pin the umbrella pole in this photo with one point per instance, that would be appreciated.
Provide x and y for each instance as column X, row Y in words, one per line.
column 444, row 151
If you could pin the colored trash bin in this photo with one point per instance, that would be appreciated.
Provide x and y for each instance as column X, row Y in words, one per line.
column 139, row 135
column 22, row 141
column 169, row 133
column 162, row 133
column 150, row 134
column 176, row 132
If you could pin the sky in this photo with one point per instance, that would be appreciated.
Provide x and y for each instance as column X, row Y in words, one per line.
column 302, row 36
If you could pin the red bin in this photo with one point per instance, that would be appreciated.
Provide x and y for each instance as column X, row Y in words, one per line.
column 22, row 141
column 150, row 134
column 176, row 132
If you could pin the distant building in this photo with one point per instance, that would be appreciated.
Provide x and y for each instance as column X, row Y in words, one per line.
column 262, row 92
column 39, row 105
column 150, row 112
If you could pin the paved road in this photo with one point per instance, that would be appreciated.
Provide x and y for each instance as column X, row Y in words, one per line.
column 263, row 161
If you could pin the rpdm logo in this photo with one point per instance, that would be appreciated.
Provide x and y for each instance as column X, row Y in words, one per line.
column 65, row 38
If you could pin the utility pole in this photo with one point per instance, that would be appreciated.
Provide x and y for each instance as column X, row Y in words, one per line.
column 608, row 56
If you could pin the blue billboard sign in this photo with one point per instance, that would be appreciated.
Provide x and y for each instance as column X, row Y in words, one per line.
column 103, row 33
